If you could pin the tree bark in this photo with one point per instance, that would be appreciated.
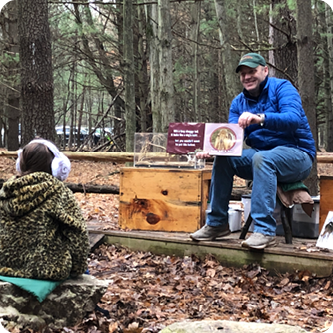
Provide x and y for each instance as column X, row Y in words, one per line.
column 283, row 30
column 142, row 71
column 72, row 99
column 36, row 70
column 89, row 188
column 166, row 91
column 12, row 103
column 129, row 74
column 229, row 59
column 256, row 21
column 328, row 65
column 152, row 13
column 306, row 77
column 195, row 30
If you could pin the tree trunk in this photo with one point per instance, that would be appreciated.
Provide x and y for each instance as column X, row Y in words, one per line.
column 225, row 91
column 118, row 108
column 271, row 55
column 306, row 76
column 256, row 21
column 10, row 31
column 229, row 60
column 328, row 65
column 80, row 116
column 101, row 68
column 239, row 22
column 152, row 13
column 71, row 139
column 166, row 91
column 88, row 188
column 142, row 71
column 129, row 74
column 195, row 28
column 284, row 56
column 216, row 108
column 36, row 70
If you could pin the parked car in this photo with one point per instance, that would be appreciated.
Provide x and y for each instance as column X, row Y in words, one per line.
column 106, row 132
column 60, row 133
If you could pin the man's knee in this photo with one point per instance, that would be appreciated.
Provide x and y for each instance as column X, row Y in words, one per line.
column 257, row 160
column 261, row 159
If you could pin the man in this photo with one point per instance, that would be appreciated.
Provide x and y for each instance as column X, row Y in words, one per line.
column 282, row 150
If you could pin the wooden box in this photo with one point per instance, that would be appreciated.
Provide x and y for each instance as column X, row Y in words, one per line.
column 326, row 199
column 163, row 199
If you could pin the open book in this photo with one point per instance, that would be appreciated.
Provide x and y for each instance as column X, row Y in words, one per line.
column 325, row 239
column 214, row 138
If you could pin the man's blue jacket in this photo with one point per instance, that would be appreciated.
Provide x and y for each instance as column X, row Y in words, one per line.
column 285, row 121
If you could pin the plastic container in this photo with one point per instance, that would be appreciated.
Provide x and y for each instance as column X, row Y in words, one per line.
column 234, row 217
column 303, row 226
column 235, row 220
column 150, row 152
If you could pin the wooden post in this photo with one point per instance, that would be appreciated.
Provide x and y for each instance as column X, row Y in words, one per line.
column 326, row 199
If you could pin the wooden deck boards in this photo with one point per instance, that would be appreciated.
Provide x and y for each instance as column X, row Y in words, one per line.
column 299, row 256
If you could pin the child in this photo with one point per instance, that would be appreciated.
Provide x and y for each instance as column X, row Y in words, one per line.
column 42, row 232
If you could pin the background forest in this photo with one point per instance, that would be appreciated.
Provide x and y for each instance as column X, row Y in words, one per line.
column 108, row 69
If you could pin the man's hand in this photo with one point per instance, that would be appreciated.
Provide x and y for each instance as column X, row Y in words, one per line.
column 202, row 154
column 247, row 118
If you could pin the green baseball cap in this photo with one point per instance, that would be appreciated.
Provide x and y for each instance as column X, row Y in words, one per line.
column 252, row 60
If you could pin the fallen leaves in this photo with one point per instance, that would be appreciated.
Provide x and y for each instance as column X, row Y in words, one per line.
column 147, row 292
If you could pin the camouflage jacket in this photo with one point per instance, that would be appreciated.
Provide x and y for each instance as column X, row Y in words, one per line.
column 42, row 232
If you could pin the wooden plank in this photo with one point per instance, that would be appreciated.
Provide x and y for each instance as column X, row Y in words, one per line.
column 326, row 199
column 232, row 242
column 95, row 240
column 205, row 186
column 280, row 259
column 119, row 157
column 162, row 199
column 122, row 157
column 324, row 157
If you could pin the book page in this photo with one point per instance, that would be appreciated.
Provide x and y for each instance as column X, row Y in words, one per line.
column 223, row 139
column 325, row 239
column 185, row 138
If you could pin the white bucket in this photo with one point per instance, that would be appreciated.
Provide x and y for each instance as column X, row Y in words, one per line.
column 234, row 217
column 235, row 220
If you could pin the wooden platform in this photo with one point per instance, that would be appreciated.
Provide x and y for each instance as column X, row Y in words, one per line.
column 300, row 256
column 95, row 239
column 156, row 238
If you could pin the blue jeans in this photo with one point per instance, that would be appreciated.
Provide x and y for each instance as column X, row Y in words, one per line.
column 266, row 169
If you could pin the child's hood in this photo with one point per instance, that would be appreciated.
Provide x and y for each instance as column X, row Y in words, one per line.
column 20, row 195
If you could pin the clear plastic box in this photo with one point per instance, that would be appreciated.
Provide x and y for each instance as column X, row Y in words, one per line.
column 150, row 152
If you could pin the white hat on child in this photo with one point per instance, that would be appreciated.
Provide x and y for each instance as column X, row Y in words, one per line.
column 60, row 166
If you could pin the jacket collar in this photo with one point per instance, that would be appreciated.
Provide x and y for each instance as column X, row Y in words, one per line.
column 261, row 87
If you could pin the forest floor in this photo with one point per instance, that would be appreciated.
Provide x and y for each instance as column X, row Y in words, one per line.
column 148, row 292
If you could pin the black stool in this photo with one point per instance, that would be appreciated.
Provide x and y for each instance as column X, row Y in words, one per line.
column 286, row 218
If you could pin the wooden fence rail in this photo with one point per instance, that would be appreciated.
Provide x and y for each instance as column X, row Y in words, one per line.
column 122, row 157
